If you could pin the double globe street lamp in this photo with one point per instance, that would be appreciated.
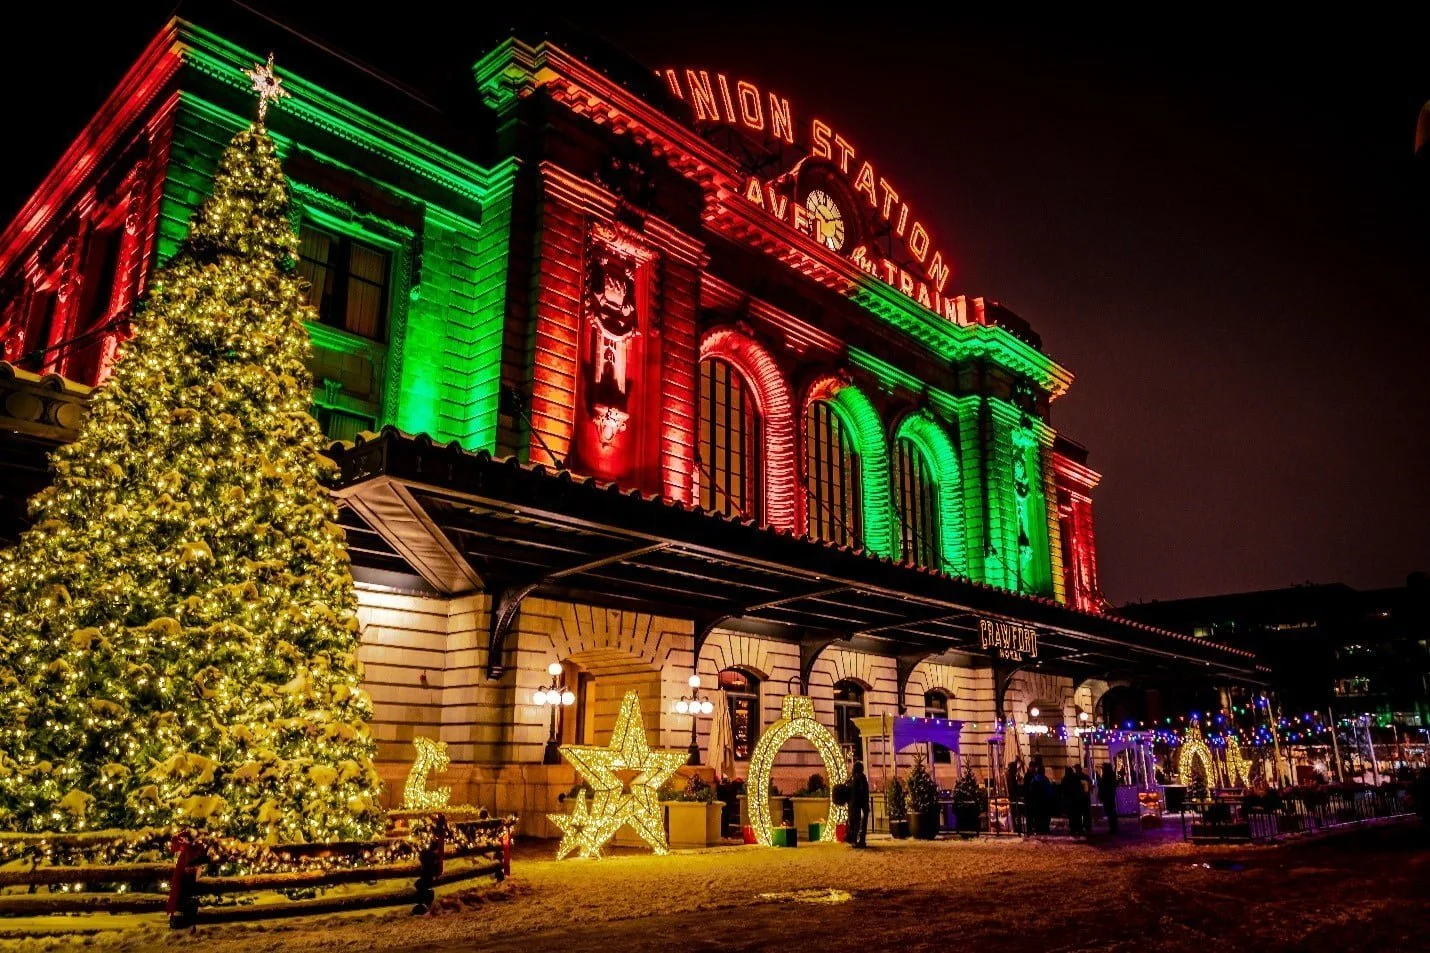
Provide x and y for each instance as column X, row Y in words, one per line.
column 694, row 706
column 556, row 695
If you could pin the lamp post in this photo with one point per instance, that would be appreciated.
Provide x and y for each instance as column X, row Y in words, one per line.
column 556, row 695
column 694, row 706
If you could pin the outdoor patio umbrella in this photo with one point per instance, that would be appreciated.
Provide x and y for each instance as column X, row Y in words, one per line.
column 720, row 753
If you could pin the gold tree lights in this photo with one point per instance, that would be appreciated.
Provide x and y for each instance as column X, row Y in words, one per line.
column 178, row 628
column 615, row 801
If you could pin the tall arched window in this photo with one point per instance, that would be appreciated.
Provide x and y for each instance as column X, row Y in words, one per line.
column 729, row 442
column 916, row 497
column 742, row 694
column 936, row 706
column 831, row 476
column 848, row 705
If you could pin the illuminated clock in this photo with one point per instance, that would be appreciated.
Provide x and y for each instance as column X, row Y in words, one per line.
column 828, row 218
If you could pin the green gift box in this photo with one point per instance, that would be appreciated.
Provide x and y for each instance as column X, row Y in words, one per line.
column 779, row 837
column 816, row 831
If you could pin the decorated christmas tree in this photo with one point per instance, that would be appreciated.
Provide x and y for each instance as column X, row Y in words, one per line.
column 178, row 627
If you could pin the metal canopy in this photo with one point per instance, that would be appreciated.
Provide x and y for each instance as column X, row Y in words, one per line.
column 515, row 531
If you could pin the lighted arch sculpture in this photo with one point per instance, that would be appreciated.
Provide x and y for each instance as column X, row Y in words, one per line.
column 776, row 408
column 858, row 415
column 1237, row 770
column 928, row 435
column 796, row 721
column 1194, row 748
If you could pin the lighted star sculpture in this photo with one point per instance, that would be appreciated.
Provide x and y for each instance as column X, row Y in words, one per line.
column 267, row 85
column 582, row 831
column 612, row 802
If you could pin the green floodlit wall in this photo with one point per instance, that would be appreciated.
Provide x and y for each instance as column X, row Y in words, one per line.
column 441, row 370
column 979, row 507
column 933, row 444
column 862, row 420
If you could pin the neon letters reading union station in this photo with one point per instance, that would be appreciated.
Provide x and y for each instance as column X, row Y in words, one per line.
column 632, row 374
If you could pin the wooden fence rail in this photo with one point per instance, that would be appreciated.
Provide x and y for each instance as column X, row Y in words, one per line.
column 202, row 887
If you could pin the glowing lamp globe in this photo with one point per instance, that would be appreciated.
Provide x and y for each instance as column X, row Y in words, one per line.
column 1033, row 713
column 707, row 707
column 554, row 669
column 694, row 681
column 568, row 697
column 539, row 697
column 682, row 706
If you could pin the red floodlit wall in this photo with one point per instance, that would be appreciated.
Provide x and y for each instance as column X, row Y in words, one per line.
column 776, row 409
column 1075, row 483
column 76, row 258
column 613, row 377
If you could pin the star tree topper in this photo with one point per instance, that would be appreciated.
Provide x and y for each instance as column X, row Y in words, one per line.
column 266, row 84
column 612, row 804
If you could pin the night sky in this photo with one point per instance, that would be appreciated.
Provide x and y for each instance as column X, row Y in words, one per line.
column 1221, row 230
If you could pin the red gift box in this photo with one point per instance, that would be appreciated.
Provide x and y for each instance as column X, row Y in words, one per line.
column 748, row 833
column 841, row 831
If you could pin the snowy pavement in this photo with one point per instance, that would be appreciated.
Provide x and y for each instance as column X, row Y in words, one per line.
column 1141, row 894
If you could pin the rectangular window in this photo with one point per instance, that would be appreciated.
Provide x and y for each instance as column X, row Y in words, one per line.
column 744, row 724
column 831, row 481
column 85, row 351
column 30, row 352
column 341, row 425
column 348, row 281
column 916, row 496
column 728, row 442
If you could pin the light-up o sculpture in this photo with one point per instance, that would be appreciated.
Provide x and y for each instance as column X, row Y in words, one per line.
column 796, row 721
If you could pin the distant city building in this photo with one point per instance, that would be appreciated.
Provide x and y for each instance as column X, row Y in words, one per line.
column 1356, row 651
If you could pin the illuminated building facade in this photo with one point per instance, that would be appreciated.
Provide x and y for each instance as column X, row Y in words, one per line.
column 670, row 377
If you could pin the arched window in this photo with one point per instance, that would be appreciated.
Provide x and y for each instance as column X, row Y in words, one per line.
column 742, row 694
column 936, row 706
column 729, row 442
column 848, row 705
column 831, row 476
column 916, row 497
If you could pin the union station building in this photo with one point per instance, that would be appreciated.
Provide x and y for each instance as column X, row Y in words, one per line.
column 646, row 372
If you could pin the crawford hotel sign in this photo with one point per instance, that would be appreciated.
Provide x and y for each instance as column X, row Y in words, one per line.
column 1011, row 640
column 831, row 191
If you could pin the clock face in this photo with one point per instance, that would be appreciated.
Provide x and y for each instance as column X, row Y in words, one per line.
column 828, row 219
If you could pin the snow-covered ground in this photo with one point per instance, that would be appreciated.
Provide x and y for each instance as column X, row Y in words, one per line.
column 1141, row 894
column 545, row 895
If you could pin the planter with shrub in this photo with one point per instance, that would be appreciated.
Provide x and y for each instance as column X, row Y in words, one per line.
column 898, row 799
column 968, row 802
column 923, row 802
column 692, row 813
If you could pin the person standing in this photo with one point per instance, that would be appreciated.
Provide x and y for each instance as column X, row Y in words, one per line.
column 858, row 806
column 1015, row 795
column 1071, row 791
column 1107, row 793
column 1041, row 798
column 1084, row 798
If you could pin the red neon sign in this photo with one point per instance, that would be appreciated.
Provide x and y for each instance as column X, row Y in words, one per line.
column 714, row 98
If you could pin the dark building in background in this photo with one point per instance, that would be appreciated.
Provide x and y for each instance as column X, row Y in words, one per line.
column 1356, row 651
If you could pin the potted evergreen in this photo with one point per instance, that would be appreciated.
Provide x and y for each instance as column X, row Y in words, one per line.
column 898, row 809
column 967, row 804
column 692, row 813
column 923, row 802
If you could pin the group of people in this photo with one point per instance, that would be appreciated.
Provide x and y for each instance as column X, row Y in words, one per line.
column 1036, row 800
